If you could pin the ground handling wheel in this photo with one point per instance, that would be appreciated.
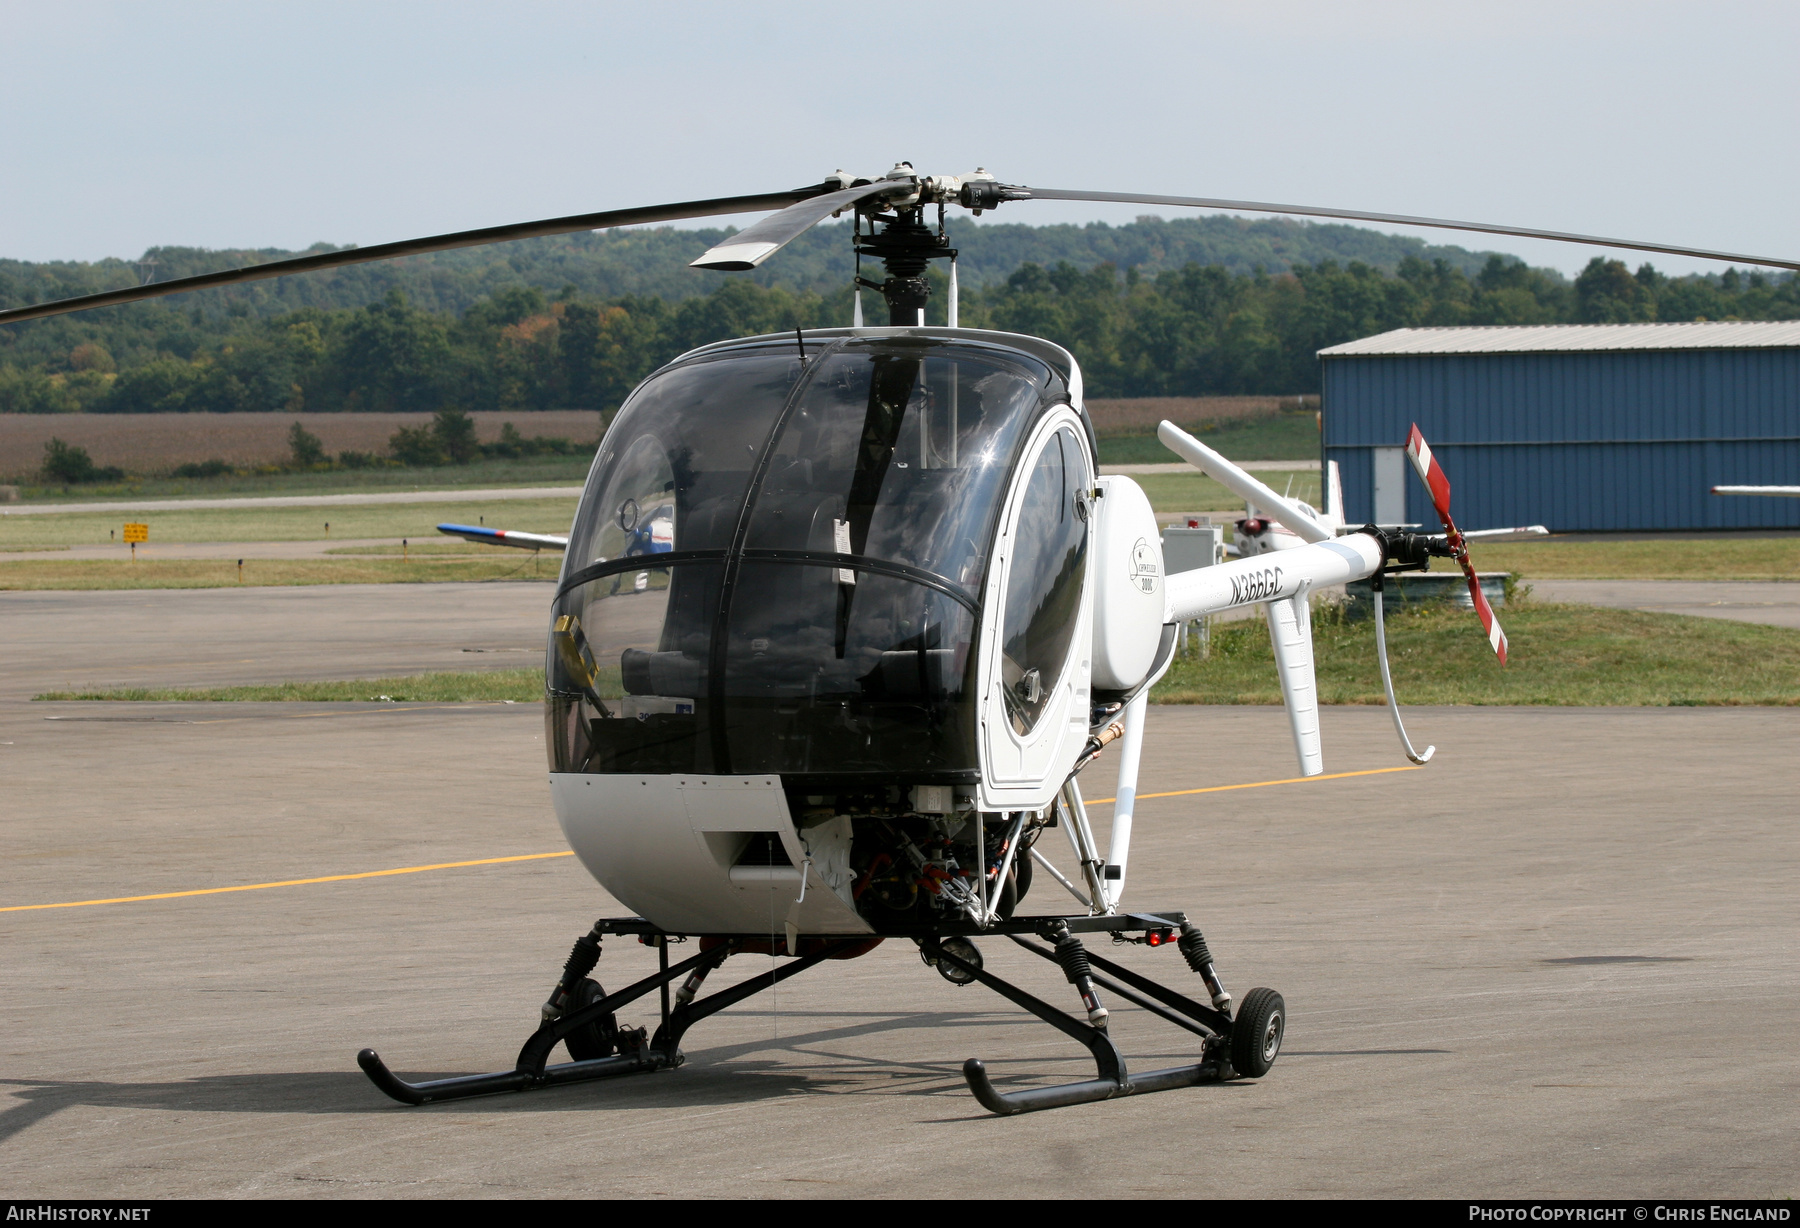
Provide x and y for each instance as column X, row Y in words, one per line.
column 597, row 1039
column 1256, row 1033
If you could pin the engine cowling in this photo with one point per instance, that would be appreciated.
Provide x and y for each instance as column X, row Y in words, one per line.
column 1128, row 586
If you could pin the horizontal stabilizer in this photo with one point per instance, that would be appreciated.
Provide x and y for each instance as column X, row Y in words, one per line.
column 1283, row 511
column 505, row 537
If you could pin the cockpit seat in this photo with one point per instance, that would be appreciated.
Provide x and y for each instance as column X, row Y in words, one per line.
column 659, row 673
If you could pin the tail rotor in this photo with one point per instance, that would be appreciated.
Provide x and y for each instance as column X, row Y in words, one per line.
column 1432, row 474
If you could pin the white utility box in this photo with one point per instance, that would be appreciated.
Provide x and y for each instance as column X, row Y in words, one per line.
column 1193, row 546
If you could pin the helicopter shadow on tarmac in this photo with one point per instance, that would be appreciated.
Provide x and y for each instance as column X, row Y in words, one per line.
column 714, row 1075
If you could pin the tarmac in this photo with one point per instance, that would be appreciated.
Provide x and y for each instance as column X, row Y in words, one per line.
column 1775, row 602
column 1558, row 961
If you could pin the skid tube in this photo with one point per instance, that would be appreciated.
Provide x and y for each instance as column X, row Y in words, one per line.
column 659, row 1052
column 662, row 1051
column 1112, row 1080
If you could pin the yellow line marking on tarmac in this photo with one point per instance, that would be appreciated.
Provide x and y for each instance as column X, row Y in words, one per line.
column 292, row 882
column 494, row 861
column 1259, row 784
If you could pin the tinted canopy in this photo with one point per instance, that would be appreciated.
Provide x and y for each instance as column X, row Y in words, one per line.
column 776, row 564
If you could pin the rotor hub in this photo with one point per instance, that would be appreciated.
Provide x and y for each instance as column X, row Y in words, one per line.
column 906, row 246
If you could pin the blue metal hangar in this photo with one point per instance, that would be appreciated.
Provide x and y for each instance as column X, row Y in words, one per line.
column 1581, row 427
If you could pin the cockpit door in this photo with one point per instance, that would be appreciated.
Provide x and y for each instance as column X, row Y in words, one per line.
column 1036, row 623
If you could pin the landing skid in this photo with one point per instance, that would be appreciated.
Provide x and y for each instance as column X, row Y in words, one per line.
column 1222, row 1037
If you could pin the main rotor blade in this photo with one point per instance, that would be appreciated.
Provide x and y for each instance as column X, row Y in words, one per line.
column 749, row 248
column 717, row 207
column 1401, row 219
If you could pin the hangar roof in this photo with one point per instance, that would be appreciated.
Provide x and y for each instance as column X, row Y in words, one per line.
column 1565, row 338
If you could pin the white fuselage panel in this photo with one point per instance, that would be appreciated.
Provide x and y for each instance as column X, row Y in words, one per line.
column 668, row 848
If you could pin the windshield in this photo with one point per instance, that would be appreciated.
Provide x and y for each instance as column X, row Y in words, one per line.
column 831, row 635
column 677, row 459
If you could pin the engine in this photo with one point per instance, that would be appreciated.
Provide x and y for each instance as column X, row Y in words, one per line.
column 916, row 867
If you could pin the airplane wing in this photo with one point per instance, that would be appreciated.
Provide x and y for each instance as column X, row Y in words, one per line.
column 1524, row 530
column 505, row 537
column 1791, row 492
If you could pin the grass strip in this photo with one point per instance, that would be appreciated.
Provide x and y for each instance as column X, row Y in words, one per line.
column 1195, row 492
column 485, row 686
column 1714, row 558
column 1284, row 436
column 1573, row 655
column 91, row 574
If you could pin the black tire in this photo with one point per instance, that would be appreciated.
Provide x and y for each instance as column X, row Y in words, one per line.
column 596, row 1039
column 1257, row 1032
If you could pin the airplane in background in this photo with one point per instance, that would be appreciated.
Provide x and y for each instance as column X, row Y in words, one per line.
column 651, row 534
column 1791, row 492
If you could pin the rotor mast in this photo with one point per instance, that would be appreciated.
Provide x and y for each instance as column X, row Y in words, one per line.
column 906, row 246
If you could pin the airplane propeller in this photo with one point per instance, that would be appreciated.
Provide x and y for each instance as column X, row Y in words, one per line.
column 1432, row 474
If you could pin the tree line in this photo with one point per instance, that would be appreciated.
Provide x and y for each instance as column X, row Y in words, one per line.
column 1190, row 331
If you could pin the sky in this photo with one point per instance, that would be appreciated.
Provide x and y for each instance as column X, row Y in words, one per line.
column 250, row 124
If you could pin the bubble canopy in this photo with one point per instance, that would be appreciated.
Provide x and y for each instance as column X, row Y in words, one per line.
column 777, row 563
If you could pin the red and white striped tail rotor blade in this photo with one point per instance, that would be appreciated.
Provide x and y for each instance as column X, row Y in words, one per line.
column 1432, row 474
column 1490, row 624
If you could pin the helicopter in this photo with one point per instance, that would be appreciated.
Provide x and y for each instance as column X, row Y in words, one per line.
column 882, row 613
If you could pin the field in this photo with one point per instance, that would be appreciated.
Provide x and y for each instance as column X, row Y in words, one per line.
column 156, row 443
column 149, row 446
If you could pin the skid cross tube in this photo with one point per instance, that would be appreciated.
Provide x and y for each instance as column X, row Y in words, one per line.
column 668, row 1037
column 1131, row 995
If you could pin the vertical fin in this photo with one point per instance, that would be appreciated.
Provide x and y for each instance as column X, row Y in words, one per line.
column 1131, row 748
column 1290, row 632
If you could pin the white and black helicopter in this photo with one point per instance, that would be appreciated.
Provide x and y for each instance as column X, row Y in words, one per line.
column 843, row 616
